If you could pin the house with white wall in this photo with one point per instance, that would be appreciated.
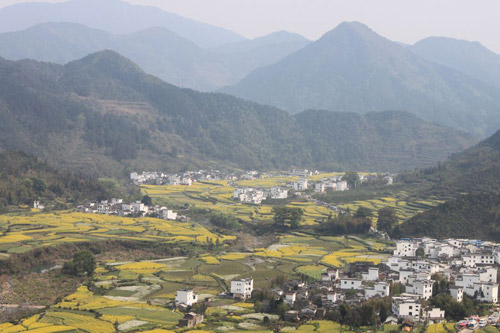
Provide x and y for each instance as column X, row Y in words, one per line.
column 242, row 288
column 186, row 296
column 406, row 307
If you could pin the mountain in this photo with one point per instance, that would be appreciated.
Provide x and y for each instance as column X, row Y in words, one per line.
column 475, row 170
column 103, row 115
column 157, row 50
column 471, row 58
column 24, row 178
column 245, row 56
column 114, row 16
column 471, row 182
column 351, row 68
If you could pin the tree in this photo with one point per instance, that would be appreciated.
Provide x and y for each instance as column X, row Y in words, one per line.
column 420, row 252
column 387, row 219
column 287, row 216
column 352, row 178
column 39, row 185
column 147, row 200
column 363, row 213
column 83, row 263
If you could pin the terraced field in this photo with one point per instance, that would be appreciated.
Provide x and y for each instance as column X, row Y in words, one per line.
column 21, row 233
column 217, row 196
column 404, row 207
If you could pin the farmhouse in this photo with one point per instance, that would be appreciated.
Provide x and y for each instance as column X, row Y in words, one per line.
column 190, row 320
column 186, row 296
column 242, row 288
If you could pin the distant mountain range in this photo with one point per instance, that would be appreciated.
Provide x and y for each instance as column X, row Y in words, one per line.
column 114, row 16
column 103, row 115
column 351, row 68
column 471, row 58
column 157, row 50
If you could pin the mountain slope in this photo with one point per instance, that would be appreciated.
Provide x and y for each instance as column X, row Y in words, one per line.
column 245, row 56
column 470, row 216
column 104, row 115
column 24, row 178
column 476, row 171
column 351, row 68
column 113, row 16
column 157, row 50
column 471, row 58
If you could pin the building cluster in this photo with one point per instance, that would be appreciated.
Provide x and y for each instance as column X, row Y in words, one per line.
column 186, row 178
column 256, row 196
column 469, row 266
column 332, row 183
column 137, row 209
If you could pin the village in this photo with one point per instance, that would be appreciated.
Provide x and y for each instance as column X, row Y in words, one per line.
column 417, row 268
column 132, row 209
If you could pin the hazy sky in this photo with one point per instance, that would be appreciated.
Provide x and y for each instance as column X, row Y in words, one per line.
column 400, row 20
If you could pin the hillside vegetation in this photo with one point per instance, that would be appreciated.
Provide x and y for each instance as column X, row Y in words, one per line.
column 469, row 216
column 24, row 178
column 476, row 172
column 103, row 115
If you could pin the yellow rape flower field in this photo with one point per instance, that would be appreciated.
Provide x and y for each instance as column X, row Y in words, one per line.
column 44, row 229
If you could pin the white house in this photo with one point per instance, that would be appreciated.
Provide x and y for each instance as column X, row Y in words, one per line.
column 381, row 289
column 186, row 296
column 332, row 274
column 486, row 292
column 278, row 193
column 406, row 248
column 433, row 315
column 290, row 298
column 348, row 283
column 405, row 307
column 300, row 185
column 168, row 214
column 332, row 296
column 186, row 181
column 422, row 288
column 372, row 274
column 342, row 186
column 242, row 288
column 37, row 205
column 457, row 293
column 319, row 187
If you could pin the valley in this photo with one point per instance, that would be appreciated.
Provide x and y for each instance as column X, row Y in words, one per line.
column 223, row 166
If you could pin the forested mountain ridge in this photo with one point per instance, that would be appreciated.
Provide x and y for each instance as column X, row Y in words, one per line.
column 351, row 68
column 475, row 170
column 157, row 50
column 114, row 16
column 103, row 115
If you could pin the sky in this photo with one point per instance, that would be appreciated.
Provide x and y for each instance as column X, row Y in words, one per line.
column 400, row 20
